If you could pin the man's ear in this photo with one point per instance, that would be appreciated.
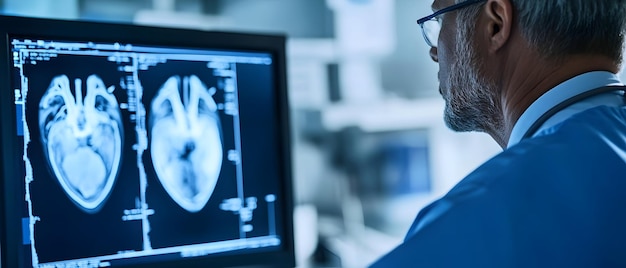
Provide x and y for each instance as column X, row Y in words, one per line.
column 498, row 23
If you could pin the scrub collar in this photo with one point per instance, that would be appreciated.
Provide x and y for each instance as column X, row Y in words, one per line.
column 572, row 87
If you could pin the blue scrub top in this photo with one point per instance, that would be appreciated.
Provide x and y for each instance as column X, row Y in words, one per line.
column 555, row 200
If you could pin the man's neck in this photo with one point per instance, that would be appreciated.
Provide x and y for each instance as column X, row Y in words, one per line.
column 530, row 77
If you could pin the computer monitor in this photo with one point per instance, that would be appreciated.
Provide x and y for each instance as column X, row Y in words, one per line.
column 136, row 146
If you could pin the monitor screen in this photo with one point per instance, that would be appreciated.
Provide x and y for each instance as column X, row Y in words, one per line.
column 136, row 146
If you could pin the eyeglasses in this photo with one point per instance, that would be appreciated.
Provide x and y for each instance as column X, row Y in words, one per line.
column 431, row 25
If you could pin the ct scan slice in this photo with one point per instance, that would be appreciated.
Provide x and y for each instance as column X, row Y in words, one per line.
column 186, row 143
column 82, row 138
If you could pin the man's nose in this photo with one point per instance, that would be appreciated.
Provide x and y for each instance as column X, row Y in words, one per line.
column 433, row 54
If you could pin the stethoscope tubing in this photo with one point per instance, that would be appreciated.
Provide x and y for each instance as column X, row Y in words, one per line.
column 564, row 104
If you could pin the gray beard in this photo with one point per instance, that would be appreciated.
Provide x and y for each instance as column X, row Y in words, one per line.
column 471, row 100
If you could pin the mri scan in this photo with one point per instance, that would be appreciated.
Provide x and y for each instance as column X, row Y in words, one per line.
column 186, row 143
column 136, row 153
column 82, row 138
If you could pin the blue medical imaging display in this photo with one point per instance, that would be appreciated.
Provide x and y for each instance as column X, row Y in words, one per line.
column 138, row 150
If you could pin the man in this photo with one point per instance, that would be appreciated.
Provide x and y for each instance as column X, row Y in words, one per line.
column 539, row 76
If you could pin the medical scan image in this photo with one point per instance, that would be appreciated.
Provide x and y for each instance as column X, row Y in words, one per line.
column 82, row 139
column 186, row 141
column 137, row 154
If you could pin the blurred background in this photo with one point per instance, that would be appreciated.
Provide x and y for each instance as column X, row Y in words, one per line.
column 370, row 148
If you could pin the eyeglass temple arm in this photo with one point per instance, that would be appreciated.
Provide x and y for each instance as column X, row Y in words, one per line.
column 447, row 9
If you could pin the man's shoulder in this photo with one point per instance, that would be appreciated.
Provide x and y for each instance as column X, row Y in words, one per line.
column 583, row 161
column 597, row 135
column 555, row 199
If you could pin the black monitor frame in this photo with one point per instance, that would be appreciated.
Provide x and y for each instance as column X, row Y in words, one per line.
column 11, row 197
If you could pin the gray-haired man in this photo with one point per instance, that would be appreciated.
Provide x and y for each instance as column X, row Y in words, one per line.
column 539, row 76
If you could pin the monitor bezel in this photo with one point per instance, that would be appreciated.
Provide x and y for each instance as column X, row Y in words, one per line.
column 55, row 29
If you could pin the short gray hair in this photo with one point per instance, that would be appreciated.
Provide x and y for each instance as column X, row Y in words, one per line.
column 560, row 28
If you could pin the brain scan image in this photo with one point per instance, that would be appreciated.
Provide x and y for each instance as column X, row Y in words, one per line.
column 186, row 143
column 82, row 138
